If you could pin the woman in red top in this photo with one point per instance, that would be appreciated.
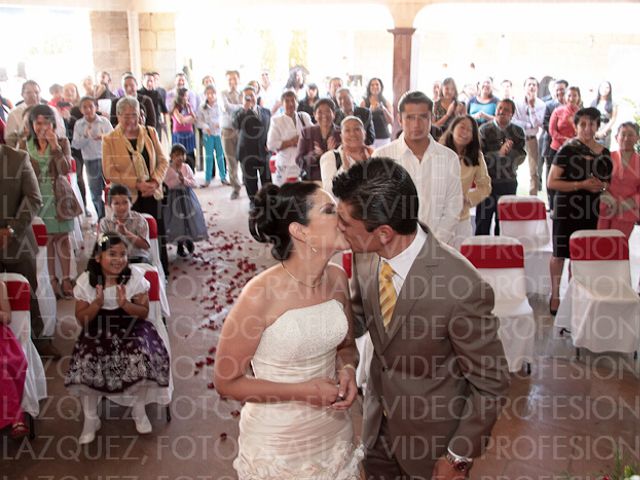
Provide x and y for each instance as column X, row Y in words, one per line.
column 620, row 204
column 561, row 126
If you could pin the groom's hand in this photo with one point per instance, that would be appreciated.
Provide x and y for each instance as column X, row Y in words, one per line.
column 347, row 389
column 443, row 470
column 321, row 392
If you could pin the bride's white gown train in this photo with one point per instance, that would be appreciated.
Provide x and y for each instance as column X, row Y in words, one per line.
column 294, row 440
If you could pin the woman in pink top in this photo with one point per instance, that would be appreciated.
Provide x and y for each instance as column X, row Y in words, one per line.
column 620, row 204
column 183, row 118
column 561, row 126
column 183, row 218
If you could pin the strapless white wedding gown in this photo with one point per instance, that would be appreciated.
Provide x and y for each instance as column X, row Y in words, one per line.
column 294, row 440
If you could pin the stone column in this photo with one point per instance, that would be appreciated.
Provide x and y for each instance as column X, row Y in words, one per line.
column 110, row 36
column 402, row 39
column 133, row 25
column 158, row 45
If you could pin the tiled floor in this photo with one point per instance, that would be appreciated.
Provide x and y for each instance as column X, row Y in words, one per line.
column 567, row 420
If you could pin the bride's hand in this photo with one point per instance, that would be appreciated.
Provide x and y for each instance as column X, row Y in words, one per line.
column 347, row 389
column 321, row 392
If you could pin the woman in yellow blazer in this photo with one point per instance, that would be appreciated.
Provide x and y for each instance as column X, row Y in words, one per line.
column 462, row 137
column 132, row 155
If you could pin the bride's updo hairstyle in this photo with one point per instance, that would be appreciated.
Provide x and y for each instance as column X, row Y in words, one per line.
column 275, row 208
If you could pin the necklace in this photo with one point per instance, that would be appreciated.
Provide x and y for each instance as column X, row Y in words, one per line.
column 313, row 285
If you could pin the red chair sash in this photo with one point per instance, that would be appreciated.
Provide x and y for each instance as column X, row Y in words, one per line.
column 347, row 262
column 40, row 232
column 518, row 211
column 494, row 256
column 154, row 289
column 599, row 248
column 19, row 295
column 153, row 227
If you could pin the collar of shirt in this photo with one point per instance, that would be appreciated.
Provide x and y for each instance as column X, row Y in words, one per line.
column 115, row 220
column 405, row 150
column 495, row 122
column 402, row 262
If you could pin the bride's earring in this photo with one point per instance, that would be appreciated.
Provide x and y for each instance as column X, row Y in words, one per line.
column 314, row 250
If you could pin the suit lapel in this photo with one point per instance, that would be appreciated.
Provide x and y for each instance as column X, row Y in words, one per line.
column 373, row 293
column 415, row 286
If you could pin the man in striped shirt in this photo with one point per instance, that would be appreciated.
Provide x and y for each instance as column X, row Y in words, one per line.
column 434, row 168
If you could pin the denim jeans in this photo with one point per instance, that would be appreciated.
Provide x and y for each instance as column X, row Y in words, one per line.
column 213, row 143
column 96, row 184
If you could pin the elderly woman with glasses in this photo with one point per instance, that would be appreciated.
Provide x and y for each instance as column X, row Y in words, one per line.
column 132, row 156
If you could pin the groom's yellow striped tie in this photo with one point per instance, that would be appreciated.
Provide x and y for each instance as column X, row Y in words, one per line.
column 388, row 294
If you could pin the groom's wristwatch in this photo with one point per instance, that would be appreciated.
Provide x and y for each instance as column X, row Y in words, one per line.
column 461, row 464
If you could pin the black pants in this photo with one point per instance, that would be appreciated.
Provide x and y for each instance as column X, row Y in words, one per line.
column 26, row 266
column 254, row 167
column 489, row 206
column 551, row 194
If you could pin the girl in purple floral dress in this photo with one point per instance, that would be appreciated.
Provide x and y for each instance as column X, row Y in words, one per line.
column 119, row 354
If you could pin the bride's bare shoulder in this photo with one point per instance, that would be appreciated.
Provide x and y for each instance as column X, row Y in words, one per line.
column 259, row 287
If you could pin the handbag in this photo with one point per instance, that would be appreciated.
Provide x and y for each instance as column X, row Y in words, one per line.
column 67, row 205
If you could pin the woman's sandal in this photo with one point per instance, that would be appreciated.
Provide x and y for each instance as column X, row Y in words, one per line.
column 67, row 288
column 19, row 430
column 55, row 286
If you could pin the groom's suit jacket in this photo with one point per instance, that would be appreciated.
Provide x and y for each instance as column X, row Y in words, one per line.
column 438, row 375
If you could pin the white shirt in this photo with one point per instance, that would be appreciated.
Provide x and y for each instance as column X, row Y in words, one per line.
column 437, row 180
column 91, row 149
column 401, row 263
column 231, row 103
column 529, row 118
column 283, row 128
column 328, row 170
column 269, row 96
column 16, row 123
column 137, row 284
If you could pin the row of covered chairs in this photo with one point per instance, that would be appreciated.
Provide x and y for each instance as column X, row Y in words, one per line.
column 600, row 309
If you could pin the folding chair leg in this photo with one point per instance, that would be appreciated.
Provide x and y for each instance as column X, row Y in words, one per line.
column 577, row 352
column 527, row 367
column 168, row 412
column 32, row 426
column 635, row 355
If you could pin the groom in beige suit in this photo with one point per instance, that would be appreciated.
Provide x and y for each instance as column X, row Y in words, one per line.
column 438, row 375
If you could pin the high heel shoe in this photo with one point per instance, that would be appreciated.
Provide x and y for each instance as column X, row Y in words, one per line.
column 67, row 288
column 57, row 289
column 553, row 311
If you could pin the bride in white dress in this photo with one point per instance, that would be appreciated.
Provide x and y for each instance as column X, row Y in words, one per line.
column 286, row 348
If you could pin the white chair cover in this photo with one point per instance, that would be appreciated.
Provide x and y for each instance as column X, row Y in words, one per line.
column 155, row 247
column 600, row 307
column 164, row 302
column 35, row 388
column 155, row 317
column 525, row 219
column 46, row 298
column 500, row 262
column 76, row 238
